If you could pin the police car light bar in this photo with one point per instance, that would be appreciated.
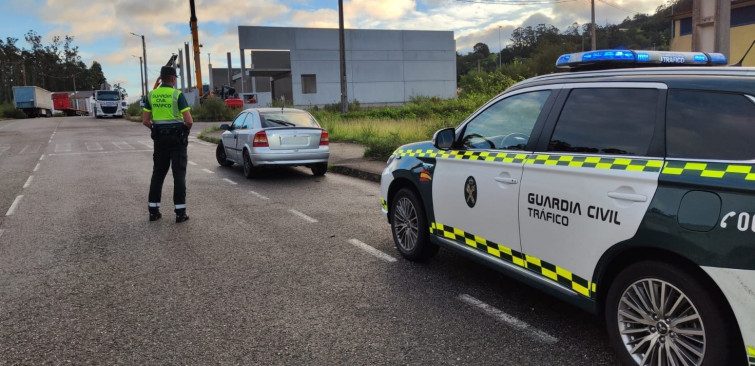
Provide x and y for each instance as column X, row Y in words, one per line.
column 640, row 58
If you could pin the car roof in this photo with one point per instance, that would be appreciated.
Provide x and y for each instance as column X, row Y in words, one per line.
column 273, row 109
column 741, row 79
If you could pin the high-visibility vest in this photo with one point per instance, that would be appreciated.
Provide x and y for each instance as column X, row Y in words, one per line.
column 164, row 103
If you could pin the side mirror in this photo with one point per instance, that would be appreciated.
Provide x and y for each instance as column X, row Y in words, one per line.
column 225, row 127
column 444, row 139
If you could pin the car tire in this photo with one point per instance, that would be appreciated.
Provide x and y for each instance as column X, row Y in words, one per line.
column 319, row 169
column 639, row 329
column 249, row 170
column 221, row 157
column 409, row 227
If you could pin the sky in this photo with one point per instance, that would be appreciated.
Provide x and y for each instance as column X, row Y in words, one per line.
column 102, row 28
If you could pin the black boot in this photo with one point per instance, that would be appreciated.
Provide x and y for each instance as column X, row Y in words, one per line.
column 154, row 214
column 181, row 215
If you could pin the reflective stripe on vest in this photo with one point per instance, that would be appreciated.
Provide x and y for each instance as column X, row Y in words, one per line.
column 164, row 102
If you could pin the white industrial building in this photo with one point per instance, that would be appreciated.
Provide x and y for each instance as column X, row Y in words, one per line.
column 382, row 66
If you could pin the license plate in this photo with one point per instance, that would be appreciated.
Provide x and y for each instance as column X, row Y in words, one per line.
column 296, row 140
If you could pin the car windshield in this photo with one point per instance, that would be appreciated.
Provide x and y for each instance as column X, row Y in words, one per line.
column 108, row 96
column 288, row 118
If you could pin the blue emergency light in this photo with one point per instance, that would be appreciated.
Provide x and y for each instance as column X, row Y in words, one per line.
column 623, row 58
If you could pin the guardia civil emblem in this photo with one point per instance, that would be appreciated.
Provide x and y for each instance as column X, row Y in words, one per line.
column 470, row 192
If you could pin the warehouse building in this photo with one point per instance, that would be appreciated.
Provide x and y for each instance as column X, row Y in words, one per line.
column 383, row 67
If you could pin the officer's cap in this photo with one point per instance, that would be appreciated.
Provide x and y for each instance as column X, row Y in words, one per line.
column 167, row 71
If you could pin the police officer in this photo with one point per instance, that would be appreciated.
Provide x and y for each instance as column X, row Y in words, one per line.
column 168, row 115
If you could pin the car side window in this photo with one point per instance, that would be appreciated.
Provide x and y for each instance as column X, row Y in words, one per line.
column 710, row 125
column 238, row 123
column 606, row 121
column 507, row 124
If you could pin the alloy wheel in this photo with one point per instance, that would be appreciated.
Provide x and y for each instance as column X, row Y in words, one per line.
column 659, row 325
column 405, row 221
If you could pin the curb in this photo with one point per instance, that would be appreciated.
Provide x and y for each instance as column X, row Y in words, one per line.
column 356, row 173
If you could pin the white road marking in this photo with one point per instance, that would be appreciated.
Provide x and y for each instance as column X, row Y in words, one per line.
column 367, row 248
column 192, row 163
column 1, row 232
column 303, row 216
column 94, row 146
column 14, row 205
column 24, row 149
column 508, row 319
column 28, row 181
column 259, row 195
column 62, row 148
column 36, row 167
column 208, row 171
column 42, row 157
column 99, row 152
column 147, row 143
column 229, row 181
column 4, row 149
column 123, row 145
column 202, row 142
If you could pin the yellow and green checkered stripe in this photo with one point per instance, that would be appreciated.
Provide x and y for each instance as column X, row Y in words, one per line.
column 637, row 165
column 642, row 165
column 384, row 203
column 710, row 170
column 465, row 155
column 751, row 355
column 536, row 265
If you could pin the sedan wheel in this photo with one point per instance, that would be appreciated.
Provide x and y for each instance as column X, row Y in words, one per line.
column 409, row 227
column 658, row 314
column 249, row 169
column 221, row 157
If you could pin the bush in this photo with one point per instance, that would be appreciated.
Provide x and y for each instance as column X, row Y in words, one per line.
column 134, row 110
column 213, row 110
column 7, row 110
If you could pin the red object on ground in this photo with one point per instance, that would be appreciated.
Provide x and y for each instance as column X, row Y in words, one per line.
column 234, row 103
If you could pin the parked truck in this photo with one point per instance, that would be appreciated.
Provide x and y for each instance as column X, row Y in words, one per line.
column 33, row 100
column 69, row 105
column 107, row 103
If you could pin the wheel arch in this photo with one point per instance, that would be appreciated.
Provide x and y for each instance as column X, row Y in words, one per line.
column 611, row 264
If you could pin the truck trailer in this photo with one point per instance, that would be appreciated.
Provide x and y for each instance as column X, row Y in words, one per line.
column 67, row 104
column 107, row 103
column 33, row 100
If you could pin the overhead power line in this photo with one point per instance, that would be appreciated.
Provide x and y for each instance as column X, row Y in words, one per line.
column 632, row 11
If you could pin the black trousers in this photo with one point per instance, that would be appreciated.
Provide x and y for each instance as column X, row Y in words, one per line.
column 170, row 151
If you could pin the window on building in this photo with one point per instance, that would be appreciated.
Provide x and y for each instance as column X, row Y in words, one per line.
column 309, row 84
column 709, row 125
column 743, row 16
column 685, row 26
column 606, row 121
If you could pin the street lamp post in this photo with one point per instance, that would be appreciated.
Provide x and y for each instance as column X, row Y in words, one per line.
column 141, row 75
column 500, row 51
column 144, row 52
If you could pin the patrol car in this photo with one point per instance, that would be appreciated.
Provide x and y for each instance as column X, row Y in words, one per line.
column 628, row 191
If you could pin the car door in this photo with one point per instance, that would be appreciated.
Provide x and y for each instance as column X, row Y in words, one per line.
column 588, row 185
column 231, row 137
column 476, row 188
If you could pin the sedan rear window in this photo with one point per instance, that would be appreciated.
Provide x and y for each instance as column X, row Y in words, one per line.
column 287, row 119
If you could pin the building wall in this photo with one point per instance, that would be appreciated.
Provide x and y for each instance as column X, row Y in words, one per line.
column 742, row 33
column 382, row 66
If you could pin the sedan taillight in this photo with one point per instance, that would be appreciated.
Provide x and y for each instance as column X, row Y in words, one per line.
column 260, row 139
column 324, row 140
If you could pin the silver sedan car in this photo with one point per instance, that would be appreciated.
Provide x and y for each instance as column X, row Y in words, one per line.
column 267, row 137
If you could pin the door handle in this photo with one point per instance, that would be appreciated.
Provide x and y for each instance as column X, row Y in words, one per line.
column 506, row 180
column 628, row 196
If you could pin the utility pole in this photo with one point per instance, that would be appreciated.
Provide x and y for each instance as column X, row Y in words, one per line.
column 500, row 51
column 344, row 97
column 592, row 25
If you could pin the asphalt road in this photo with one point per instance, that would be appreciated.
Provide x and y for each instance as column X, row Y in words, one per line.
column 286, row 269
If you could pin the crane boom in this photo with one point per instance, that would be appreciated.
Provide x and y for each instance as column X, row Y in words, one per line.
column 195, row 40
